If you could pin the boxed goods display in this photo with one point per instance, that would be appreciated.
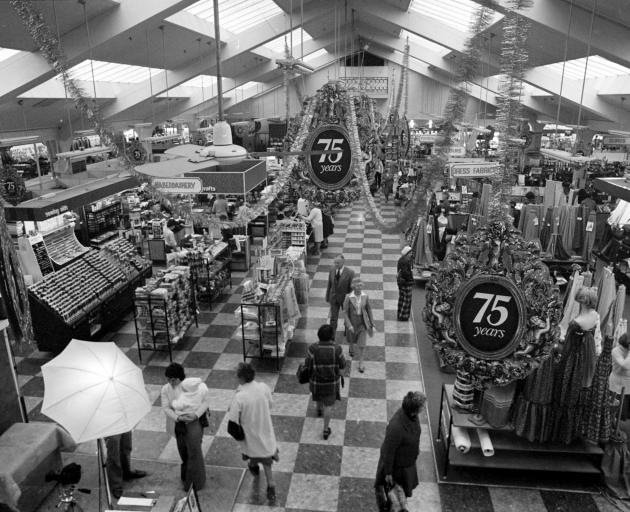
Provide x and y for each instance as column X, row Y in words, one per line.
column 164, row 308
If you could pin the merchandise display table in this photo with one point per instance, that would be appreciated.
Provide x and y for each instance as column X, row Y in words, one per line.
column 510, row 451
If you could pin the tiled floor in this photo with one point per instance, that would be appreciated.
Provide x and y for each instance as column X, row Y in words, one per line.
column 313, row 474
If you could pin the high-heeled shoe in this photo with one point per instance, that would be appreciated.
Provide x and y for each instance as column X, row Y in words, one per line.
column 327, row 432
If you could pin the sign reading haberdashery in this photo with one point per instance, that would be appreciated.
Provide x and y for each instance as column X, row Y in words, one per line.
column 490, row 316
column 178, row 185
column 330, row 171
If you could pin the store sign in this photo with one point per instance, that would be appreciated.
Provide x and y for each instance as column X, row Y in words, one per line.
column 474, row 170
column 330, row 171
column 616, row 141
column 178, row 185
column 490, row 317
column 430, row 139
column 456, row 151
column 55, row 211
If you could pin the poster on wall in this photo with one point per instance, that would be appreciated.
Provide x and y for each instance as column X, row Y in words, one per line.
column 330, row 171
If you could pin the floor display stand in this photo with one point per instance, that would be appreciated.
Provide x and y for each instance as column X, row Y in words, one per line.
column 82, row 300
column 266, row 328
column 164, row 309
column 509, row 452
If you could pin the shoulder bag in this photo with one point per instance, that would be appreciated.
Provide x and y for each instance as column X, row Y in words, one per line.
column 236, row 430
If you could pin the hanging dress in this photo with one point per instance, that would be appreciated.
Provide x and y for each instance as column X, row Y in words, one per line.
column 533, row 409
column 556, row 249
column 596, row 421
column 571, row 307
column 546, row 230
column 423, row 255
column 572, row 376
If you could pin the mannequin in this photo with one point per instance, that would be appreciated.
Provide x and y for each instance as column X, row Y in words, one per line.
column 441, row 231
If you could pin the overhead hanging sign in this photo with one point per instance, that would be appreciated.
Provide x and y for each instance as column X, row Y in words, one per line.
column 178, row 185
column 469, row 170
column 490, row 316
column 330, row 171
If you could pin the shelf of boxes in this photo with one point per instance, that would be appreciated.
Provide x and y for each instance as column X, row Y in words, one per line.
column 164, row 309
column 79, row 300
column 62, row 245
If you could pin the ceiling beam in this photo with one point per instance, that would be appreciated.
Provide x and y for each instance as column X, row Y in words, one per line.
column 609, row 39
column 234, row 48
column 28, row 69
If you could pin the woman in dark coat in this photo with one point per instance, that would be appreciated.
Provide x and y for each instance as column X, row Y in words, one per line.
column 404, row 278
column 325, row 361
column 400, row 449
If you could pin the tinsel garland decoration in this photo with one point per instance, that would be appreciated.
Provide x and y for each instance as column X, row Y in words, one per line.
column 495, row 249
column 434, row 168
column 49, row 47
column 498, row 249
column 514, row 57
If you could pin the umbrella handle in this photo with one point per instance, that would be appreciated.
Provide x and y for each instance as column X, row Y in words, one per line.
column 623, row 390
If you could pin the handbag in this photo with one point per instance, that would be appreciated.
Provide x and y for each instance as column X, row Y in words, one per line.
column 235, row 430
column 303, row 375
column 204, row 419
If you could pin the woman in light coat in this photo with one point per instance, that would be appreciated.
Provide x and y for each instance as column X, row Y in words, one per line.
column 357, row 314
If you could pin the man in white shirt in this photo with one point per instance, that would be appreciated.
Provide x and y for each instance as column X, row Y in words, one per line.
column 251, row 408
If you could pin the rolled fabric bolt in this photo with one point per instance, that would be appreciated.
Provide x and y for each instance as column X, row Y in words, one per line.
column 461, row 439
column 485, row 442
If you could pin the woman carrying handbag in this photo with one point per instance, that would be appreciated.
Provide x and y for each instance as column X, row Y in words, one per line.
column 324, row 362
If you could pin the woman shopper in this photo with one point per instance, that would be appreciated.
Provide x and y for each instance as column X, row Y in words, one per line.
column 400, row 449
column 186, row 425
column 324, row 361
column 404, row 278
column 251, row 408
column 317, row 223
column 357, row 314
column 388, row 185
column 620, row 375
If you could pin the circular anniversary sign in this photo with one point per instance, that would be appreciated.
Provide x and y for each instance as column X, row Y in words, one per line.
column 330, row 171
column 490, row 317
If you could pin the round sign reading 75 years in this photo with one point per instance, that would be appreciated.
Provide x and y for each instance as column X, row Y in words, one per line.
column 330, row 171
column 490, row 317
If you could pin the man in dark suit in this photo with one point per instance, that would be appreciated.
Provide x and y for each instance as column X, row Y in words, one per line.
column 339, row 285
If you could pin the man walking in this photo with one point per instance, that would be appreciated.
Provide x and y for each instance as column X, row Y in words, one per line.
column 339, row 285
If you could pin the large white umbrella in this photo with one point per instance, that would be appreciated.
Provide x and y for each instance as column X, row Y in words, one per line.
column 94, row 390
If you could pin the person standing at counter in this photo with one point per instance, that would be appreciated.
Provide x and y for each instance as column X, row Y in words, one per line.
column 220, row 206
column 169, row 236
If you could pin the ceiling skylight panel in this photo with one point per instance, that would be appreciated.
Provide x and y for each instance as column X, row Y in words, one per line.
column 207, row 81
column 315, row 55
column 236, row 16
column 421, row 41
column 597, row 67
column 7, row 53
column 111, row 72
column 457, row 14
column 277, row 44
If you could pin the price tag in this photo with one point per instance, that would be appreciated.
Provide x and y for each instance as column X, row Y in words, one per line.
column 579, row 218
column 590, row 225
column 429, row 228
column 535, row 221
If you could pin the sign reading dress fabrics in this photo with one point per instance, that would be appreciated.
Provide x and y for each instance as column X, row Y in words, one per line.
column 330, row 171
column 490, row 317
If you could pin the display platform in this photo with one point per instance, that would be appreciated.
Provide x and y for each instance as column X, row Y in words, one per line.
column 505, row 470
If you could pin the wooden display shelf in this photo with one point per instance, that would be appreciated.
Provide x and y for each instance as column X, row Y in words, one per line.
column 511, row 452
